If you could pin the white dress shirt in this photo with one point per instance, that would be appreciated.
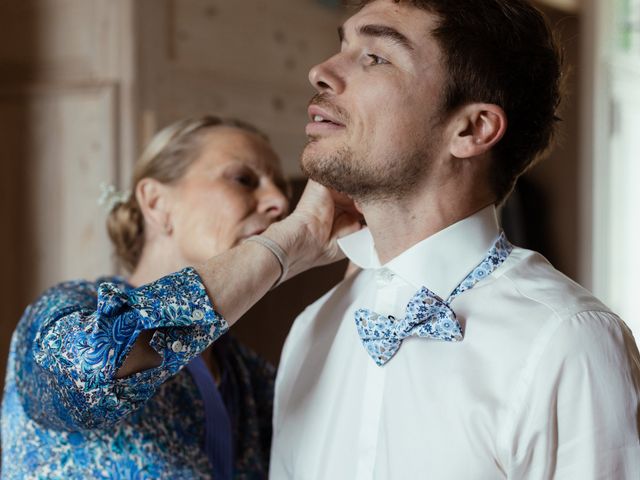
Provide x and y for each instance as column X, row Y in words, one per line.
column 544, row 385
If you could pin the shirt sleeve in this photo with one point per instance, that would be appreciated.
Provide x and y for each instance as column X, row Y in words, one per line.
column 72, row 350
column 578, row 413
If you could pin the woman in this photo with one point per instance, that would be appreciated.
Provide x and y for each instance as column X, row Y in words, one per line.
column 96, row 386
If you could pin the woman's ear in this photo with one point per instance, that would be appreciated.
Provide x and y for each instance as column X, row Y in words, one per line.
column 153, row 198
column 478, row 127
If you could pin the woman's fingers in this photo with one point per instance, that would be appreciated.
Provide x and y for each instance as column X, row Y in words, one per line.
column 327, row 204
column 344, row 203
column 335, row 208
column 345, row 224
column 316, row 199
column 309, row 235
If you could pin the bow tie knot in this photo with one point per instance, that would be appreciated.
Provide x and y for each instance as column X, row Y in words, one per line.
column 427, row 316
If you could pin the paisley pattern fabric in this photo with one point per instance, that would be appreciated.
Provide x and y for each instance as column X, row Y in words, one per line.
column 427, row 315
column 65, row 415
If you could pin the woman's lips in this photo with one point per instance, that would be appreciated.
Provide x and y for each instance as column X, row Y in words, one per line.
column 256, row 231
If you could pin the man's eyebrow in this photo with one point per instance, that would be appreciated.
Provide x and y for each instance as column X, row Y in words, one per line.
column 382, row 31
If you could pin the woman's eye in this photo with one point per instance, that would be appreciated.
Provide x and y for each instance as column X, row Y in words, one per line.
column 246, row 180
column 376, row 60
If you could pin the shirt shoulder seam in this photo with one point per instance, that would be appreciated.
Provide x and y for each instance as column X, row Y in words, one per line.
column 561, row 316
column 541, row 343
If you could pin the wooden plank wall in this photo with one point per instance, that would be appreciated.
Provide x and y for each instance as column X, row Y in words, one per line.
column 64, row 76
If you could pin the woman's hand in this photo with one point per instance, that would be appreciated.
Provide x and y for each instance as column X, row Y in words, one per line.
column 309, row 235
column 238, row 278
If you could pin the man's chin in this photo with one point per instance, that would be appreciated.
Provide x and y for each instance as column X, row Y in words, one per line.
column 318, row 145
column 312, row 157
column 322, row 150
column 315, row 163
column 323, row 171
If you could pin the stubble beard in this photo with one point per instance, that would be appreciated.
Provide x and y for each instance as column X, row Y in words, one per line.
column 363, row 180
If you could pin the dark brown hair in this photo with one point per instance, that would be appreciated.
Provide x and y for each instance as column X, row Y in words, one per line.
column 501, row 52
column 166, row 159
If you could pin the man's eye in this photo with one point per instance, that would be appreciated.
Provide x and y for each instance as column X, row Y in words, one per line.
column 376, row 60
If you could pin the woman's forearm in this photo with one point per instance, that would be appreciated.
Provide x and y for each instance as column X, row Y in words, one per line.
column 237, row 279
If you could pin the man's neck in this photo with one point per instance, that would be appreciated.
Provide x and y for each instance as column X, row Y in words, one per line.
column 399, row 224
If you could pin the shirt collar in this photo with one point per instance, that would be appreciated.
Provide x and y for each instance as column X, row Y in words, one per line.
column 439, row 262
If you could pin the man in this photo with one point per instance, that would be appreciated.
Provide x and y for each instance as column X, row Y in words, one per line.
column 451, row 354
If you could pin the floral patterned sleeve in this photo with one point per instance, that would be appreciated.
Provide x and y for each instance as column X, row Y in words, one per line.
column 78, row 339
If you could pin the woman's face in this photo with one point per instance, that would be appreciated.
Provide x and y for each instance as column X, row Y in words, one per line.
column 233, row 190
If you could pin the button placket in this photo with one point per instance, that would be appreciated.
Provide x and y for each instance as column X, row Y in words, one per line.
column 385, row 302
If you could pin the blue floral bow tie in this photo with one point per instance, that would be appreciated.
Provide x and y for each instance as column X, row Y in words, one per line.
column 427, row 315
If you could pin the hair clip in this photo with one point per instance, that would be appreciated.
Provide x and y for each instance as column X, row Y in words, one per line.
column 110, row 198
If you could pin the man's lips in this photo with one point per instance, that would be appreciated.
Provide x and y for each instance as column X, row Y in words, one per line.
column 319, row 114
column 322, row 121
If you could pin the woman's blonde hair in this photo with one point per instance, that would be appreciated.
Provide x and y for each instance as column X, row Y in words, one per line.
column 166, row 159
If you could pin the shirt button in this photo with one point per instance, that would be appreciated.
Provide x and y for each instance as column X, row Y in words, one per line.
column 176, row 346
column 385, row 275
column 197, row 315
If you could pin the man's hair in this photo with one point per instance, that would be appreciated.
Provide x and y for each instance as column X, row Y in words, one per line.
column 501, row 52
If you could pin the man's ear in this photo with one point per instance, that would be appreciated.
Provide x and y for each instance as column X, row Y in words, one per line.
column 477, row 128
column 152, row 197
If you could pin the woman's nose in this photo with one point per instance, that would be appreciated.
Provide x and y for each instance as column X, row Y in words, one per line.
column 273, row 202
column 326, row 78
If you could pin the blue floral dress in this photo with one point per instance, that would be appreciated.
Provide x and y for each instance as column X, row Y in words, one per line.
column 65, row 415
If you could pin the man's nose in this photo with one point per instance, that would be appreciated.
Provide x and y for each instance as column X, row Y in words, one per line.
column 326, row 77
